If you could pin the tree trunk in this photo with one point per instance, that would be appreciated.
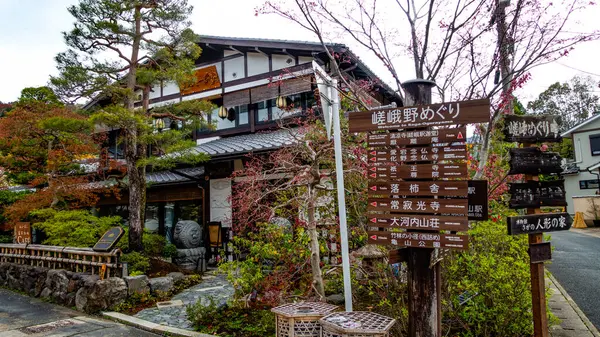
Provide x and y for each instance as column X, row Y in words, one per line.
column 315, row 256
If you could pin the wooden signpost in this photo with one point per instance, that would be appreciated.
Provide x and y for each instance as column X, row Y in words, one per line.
column 478, row 200
column 532, row 194
column 22, row 232
column 417, row 187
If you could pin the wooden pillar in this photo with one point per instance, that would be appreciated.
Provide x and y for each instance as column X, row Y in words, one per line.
column 424, row 283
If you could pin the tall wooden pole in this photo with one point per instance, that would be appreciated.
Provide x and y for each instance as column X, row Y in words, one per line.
column 424, row 283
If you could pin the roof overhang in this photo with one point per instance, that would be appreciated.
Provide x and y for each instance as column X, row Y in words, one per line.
column 580, row 125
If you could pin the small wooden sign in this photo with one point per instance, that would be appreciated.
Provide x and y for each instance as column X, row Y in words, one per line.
column 540, row 252
column 531, row 129
column 419, row 240
column 22, row 233
column 531, row 160
column 538, row 223
column 419, row 188
column 109, row 239
column 423, row 222
column 465, row 112
column 424, row 206
column 478, row 200
column 536, row 194
column 422, row 137
column 438, row 153
column 417, row 171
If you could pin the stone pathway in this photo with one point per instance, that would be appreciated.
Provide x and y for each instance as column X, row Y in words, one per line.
column 573, row 322
column 215, row 287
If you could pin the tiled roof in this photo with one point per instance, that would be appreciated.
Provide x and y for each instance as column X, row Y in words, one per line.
column 169, row 177
column 247, row 143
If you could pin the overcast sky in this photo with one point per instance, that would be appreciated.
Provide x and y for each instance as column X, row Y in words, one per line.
column 30, row 37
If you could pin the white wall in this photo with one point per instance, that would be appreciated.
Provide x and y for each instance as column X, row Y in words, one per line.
column 304, row 59
column 220, row 207
column 234, row 69
column 257, row 64
column 280, row 61
column 572, row 188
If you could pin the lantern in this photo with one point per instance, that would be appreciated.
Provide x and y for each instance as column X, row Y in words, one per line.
column 223, row 112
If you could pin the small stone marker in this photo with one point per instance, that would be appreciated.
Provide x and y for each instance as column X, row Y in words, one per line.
column 109, row 239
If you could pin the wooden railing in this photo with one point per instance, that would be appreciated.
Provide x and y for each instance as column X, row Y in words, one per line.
column 83, row 260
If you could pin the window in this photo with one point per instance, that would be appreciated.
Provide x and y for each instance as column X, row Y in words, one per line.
column 241, row 118
column 588, row 184
column 115, row 145
column 268, row 111
column 595, row 145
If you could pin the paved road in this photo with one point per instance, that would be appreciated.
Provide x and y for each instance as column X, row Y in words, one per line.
column 576, row 265
column 22, row 316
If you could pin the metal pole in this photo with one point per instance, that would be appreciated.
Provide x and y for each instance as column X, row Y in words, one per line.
column 339, row 172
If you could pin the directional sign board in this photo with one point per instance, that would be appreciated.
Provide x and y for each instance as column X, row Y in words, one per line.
column 425, row 206
column 531, row 129
column 478, row 200
column 531, row 160
column 420, row 240
column 418, row 171
column 422, row 222
column 536, row 194
column 539, row 223
column 476, row 111
column 395, row 155
column 421, row 137
column 419, row 188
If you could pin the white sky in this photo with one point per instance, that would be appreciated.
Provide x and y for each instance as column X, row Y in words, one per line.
column 30, row 37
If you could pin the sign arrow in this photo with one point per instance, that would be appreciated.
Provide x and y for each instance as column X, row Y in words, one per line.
column 374, row 220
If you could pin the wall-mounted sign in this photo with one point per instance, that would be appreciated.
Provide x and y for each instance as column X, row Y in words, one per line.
column 478, row 200
column 540, row 252
column 419, row 240
column 536, row 194
column 539, row 223
column 422, row 137
column 531, row 160
column 423, row 222
column 476, row 111
column 424, row 206
column 109, row 239
column 206, row 78
column 22, row 232
column 418, row 171
column 406, row 188
column 531, row 129
column 395, row 155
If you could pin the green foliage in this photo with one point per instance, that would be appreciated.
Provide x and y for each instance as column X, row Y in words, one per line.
column 6, row 238
column 170, row 250
column 154, row 244
column 136, row 262
column 76, row 228
column 231, row 321
column 39, row 95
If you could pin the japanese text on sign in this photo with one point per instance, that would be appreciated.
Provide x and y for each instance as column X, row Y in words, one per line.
column 412, row 114
column 539, row 223
column 531, row 128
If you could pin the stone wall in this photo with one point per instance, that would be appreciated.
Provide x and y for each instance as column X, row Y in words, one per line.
column 86, row 292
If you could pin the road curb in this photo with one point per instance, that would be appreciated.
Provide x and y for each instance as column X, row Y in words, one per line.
column 152, row 327
column 575, row 307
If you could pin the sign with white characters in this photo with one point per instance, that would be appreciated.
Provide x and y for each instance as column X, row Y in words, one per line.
column 531, row 129
column 420, row 240
column 421, row 137
column 406, row 188
column 422, row 222
column 424, row 206
column 417, row 171
column 415, row 154
column 539, row 223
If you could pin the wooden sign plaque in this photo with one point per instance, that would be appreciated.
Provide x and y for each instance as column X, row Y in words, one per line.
column 531, row 129
column 536, row 194
column 452, row 113
column 423, row 222
column 540, row 252
column 425, row 206
column 22, row 232
column 531, row 160
column 538, row 223
column 437, row 153
column 419, row 188
column 109, row 239
column 419, row 240
column 421, row 137
column 478, row 200
column 417, row 171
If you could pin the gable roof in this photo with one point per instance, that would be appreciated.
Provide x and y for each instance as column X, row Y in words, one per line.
column 580, row 125
column 260, row 141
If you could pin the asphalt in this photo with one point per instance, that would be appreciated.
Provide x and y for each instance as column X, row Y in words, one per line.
column 21, row 315
column 576, row 265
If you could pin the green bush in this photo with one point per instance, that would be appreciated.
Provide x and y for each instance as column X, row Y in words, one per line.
column 170, row 250
column 6, row 238
column 231, row 321
column 76, row 228
column 137, row 263
column 154, row 244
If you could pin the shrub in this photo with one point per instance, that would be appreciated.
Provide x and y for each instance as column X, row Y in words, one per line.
column 170, row 250
column 136, row 263
column 154, row 244
column 6, row 238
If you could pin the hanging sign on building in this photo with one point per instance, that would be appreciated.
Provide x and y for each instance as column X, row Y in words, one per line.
column 418, row 171
column 419, row 240
column 531, row 129
column 536, row 194
column 421, row 137
column 478, row 200
column 425, row 206
column 415, row 154
column 419, row 188
column 422, row 222
column 453, row 113
column 531, row 160
column 539, row 223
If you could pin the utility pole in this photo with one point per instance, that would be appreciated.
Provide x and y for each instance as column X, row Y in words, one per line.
column 424, row 282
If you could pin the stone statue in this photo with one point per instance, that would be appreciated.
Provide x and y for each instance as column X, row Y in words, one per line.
column 191, row 259
column 187, row 234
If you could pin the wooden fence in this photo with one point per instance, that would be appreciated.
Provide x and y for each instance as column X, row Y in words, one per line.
column 83, row 260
